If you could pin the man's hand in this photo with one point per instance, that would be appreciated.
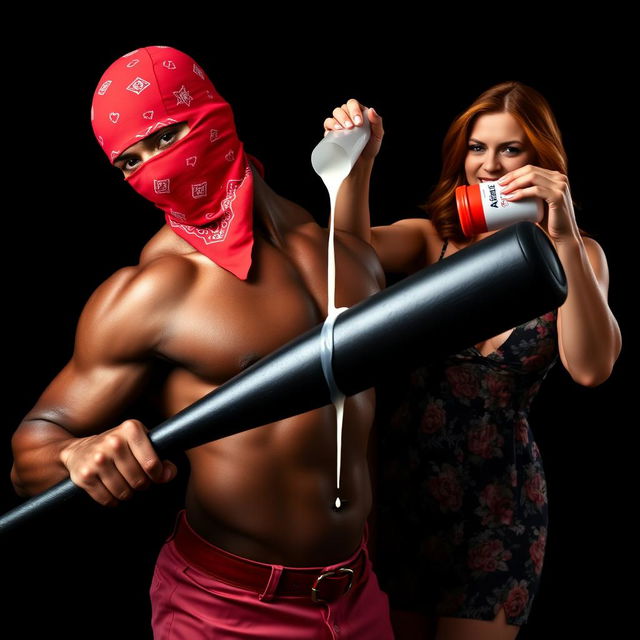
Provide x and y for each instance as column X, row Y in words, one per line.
column 112, row 465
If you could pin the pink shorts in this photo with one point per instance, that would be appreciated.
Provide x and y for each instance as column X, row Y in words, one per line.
column 189, row 603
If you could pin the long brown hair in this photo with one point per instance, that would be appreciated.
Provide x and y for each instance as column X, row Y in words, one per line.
column 532, row 112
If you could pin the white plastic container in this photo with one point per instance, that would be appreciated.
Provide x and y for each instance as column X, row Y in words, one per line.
column 481, row 208
column 334, row 156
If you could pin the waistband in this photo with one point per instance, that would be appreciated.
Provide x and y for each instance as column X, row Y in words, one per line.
column 321, row 584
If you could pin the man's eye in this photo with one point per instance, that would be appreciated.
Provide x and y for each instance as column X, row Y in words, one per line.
column 167, row 136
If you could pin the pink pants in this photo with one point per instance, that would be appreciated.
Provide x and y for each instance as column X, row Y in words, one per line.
column 190, row 604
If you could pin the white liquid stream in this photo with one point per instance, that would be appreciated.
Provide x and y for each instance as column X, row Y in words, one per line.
column 333, row 177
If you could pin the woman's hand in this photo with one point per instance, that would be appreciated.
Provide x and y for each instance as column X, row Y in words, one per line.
column 553, row 188
column 349, row 115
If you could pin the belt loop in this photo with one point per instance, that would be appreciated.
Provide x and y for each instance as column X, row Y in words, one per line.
column 269, row 591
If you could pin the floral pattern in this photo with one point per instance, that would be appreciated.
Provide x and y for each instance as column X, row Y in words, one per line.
column 462, row 498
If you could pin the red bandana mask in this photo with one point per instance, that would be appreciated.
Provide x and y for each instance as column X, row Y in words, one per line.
column 203, row 181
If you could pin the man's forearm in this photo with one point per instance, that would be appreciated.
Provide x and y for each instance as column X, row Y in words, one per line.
column 352, row 205
column 37, row 445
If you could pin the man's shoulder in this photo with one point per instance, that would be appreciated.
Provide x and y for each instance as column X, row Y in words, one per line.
column 164, row 242
column 127, row 315
column 145, row 286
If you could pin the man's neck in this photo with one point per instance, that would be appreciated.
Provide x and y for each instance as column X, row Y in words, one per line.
column 268, row 215
column 274, row 215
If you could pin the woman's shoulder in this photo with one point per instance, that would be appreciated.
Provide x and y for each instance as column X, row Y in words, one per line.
column 430, row 239
column 421, row 226
column 433, row 242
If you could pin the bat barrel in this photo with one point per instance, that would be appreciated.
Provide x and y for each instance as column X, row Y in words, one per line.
column 506, row 279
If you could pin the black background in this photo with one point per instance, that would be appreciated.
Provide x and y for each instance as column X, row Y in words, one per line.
column 86, row 574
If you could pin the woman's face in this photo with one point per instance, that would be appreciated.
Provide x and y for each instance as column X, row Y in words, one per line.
column 497, row 145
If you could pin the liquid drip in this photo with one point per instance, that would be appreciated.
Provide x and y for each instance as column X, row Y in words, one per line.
column 339, row 405
column 333, row 177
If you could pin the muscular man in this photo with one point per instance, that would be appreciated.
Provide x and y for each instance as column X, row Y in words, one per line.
column 236, row 272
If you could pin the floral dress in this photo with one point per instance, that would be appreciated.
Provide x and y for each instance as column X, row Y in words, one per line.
column 462, row 513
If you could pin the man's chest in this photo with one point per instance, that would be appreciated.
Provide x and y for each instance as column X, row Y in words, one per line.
column 224, row 325
column 215, row 336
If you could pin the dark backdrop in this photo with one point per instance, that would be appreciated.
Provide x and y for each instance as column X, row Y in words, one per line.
column 88, row 575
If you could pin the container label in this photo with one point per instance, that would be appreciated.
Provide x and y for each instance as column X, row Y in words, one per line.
column 499, row 212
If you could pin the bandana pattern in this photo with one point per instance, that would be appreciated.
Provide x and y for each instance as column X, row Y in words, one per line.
column 203, row 182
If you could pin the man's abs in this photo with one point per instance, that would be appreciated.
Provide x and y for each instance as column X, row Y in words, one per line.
column 268, row 493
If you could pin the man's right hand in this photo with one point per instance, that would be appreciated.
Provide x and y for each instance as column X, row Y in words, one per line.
column 346, row 117
column 111, row 465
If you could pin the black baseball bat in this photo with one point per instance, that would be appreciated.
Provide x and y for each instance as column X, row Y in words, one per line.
column 502, row 281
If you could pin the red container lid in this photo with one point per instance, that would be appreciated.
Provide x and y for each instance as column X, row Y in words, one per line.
column 470, row 210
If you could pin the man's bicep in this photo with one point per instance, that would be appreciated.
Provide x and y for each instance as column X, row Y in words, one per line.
column 114, row 353
column 86, row 401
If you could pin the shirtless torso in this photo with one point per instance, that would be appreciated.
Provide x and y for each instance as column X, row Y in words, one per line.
column 266, row 493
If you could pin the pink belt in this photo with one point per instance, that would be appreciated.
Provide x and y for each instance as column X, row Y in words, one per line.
column 314, row 582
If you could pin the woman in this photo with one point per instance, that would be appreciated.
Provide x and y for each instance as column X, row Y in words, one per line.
column 463, row 515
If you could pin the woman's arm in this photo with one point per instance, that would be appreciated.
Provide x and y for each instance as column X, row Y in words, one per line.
column 401, row 247
column 589, row 337
column 352, row 204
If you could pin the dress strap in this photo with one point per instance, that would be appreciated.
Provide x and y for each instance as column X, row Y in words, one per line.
column 444, row 248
